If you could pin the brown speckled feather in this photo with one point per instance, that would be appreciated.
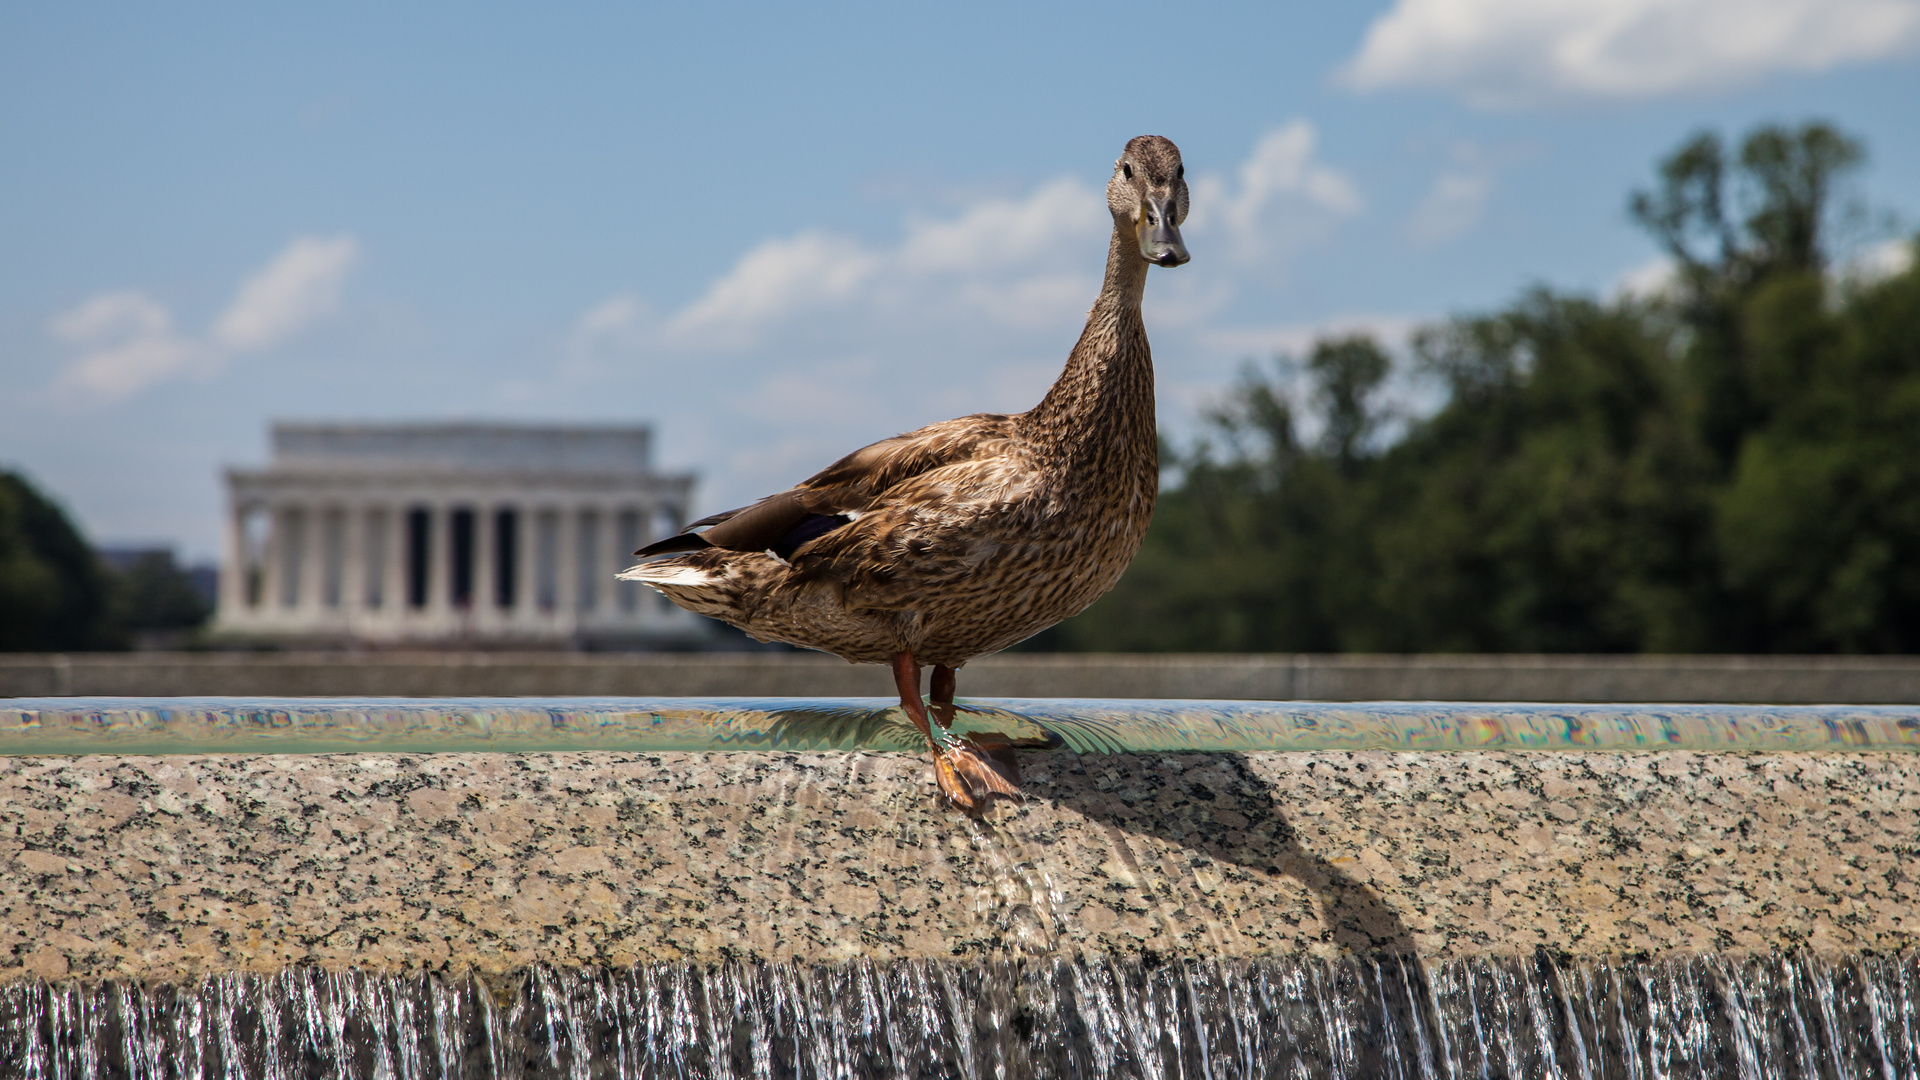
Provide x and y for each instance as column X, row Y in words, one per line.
column 966, row 536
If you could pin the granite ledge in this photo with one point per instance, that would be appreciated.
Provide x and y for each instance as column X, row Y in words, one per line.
column 167, row 868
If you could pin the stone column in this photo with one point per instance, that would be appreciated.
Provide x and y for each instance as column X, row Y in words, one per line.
column 648, row 509
column 486, row 612
column 626, row 536
column 376, row 544
column 439, row 568
column 524, row 600
column 233, row 571
column 613, row 559
column 568, row 607
column 289, row 551
column 353, row 575
column 606, row 542
column 593, row 557
column 645, row 607
column 313, row 558
column 269, row 560
column 393, row 596
column 331, row 524
column 544, row 551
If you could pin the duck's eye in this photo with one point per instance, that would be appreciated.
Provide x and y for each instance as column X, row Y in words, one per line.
column 1179, row 172
column 1126, row 170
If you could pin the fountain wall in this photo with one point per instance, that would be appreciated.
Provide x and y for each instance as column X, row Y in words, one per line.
column 167, row 867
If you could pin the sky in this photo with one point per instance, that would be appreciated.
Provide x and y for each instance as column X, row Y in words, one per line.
column 776, row 233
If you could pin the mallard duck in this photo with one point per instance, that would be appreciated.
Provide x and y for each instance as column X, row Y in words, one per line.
column 957, row 540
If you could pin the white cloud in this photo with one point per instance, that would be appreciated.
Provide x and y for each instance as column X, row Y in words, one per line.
column 1507, row 53
column 299, row 286
column 821, row 340
column 1889, row 258
column 782, row 277
column 1651, row 280
column 1297, row 339
column 1008, row 261
column 128, row 342
column 1283, row 164
column 1451, row 208
column 1013, row 262
column 1284, row 194
column 1457, row 201
column 612, row 317
column 1006, row 231
column 1659, row 276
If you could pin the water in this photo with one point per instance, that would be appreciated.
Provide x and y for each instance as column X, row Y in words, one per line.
column 1766, row 1019
column 404, row 725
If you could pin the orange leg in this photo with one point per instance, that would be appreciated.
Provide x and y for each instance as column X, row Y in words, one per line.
column 967, row 775
column 996, row 746
column 906, row 679
column 941, row 691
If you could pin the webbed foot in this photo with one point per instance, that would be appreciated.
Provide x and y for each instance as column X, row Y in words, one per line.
column 971, row 774
column 971, row 770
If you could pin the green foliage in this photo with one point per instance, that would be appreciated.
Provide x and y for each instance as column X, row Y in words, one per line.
column 56, row 595
column 152, row 597
column 53, row 594
column 1733, row 467
column 1818, row 524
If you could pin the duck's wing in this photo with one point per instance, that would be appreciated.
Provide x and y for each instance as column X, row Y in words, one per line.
column 838, row 494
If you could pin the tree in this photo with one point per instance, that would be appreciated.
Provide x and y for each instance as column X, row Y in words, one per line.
column 1763, row 220
column 1553, row 504
column 1817, row 526
column 53, row 593
column 1347, row 374
column 151, row 598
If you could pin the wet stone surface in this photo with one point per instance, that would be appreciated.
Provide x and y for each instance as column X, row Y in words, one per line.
column 160, row 868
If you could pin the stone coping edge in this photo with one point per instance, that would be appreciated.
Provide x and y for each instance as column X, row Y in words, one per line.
column 159, row 869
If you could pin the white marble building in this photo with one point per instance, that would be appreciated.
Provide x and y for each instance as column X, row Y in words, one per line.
column 452, row 533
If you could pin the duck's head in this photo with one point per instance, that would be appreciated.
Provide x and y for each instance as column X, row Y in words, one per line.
column 1148, row 192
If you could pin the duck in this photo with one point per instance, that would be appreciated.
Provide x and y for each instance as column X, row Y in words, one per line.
column 964, row 537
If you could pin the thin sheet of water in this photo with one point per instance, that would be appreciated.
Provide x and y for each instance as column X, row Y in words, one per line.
column 416, row 725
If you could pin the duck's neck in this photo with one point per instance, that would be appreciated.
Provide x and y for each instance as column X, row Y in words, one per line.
column 1106, row 391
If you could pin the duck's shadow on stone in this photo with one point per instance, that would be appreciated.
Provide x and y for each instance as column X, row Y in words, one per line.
column 1217, row 807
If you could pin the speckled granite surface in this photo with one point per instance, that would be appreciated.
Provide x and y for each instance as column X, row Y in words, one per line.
column 164, row 867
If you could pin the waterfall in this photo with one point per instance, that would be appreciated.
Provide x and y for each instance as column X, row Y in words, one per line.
column 1753, row 1018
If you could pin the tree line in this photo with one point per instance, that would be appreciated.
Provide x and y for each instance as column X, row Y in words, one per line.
column 57, row 594
column 1729, row 465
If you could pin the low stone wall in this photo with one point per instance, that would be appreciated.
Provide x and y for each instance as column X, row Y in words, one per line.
column 158, row 868
column 1666, row 679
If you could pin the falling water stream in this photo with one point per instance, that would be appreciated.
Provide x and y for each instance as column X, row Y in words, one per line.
column 1764, row 1019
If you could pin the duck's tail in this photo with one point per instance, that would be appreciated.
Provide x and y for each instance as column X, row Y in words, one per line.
column 704, row 590
column 668, row 573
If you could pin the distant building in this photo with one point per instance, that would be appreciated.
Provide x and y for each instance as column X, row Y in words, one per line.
column 453, row 533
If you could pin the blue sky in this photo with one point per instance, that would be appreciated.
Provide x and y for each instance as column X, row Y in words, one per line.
column 778, row 233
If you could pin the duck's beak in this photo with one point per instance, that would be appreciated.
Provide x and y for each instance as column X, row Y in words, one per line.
column 1160, row 242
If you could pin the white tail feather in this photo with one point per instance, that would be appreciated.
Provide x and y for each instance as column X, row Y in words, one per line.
column 666, row 573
